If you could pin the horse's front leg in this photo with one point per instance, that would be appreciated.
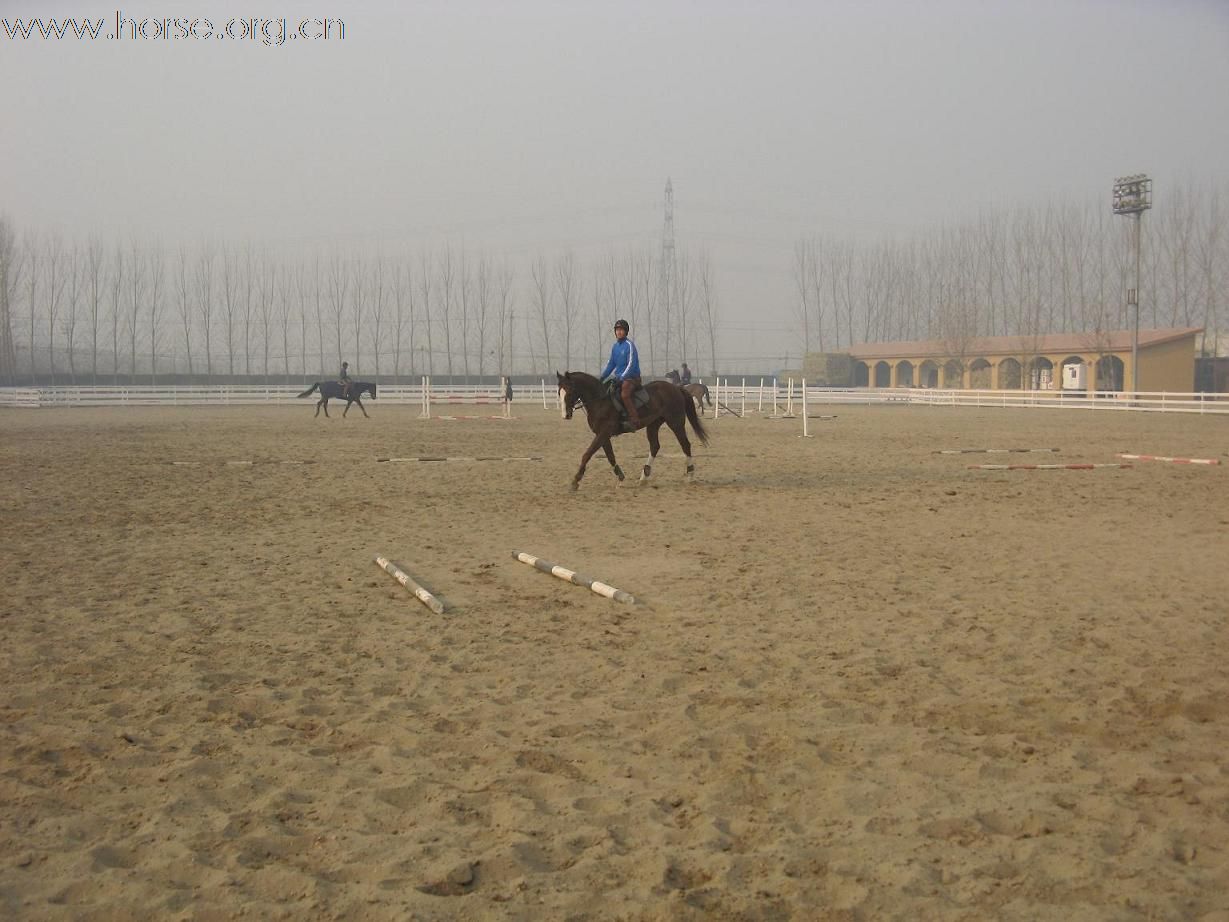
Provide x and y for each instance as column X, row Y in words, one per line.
column 654, row 446
column 361, row 407
column 598, row 440
column 609, row 449
column 347, row 409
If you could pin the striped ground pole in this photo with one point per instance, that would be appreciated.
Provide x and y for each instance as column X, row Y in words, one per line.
column 478, row 458
column 989, row 451
column 397, row 572
column 572, row 576
column 1041, row 467
column 1174, row 460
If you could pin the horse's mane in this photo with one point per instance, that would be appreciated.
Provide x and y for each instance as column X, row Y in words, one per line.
column 585, row 381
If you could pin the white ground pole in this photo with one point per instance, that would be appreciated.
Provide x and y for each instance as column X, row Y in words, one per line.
column 545, row 405
column 805, row 433
column 789, row 399
column 774, row 414
column 397, row 572
column 716, row 397
column 743, row 394
column 572, row 576
column 760, row 408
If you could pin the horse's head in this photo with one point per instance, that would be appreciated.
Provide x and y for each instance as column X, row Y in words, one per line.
column 567, row 393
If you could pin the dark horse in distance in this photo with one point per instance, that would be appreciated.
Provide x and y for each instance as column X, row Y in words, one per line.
column 698, row 391
column 667, row 404
column 332, row 390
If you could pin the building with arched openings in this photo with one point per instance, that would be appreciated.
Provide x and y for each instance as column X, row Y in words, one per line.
column 1097, row 362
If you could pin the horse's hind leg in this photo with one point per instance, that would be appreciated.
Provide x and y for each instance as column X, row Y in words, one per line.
column 680, row 432
column 654, row 447
column 614, row 465
column 320, row 403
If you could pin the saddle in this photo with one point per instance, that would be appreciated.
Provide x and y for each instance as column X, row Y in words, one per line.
column 640, row 397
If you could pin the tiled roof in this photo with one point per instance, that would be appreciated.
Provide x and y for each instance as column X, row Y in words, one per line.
column 1049, row 343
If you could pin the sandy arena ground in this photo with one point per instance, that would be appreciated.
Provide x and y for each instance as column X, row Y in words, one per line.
column 861, row 681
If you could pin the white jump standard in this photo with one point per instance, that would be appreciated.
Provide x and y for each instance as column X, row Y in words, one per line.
column 398, row 573
column 572, row 576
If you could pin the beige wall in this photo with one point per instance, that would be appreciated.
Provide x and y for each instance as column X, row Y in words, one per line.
column 1167, row 367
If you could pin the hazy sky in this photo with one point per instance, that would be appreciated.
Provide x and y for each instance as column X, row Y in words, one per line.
column 530, row 126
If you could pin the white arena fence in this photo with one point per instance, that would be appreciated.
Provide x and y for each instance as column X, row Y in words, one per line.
column 781, row 398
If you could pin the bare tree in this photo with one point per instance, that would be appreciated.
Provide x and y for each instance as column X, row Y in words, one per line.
column 232, row 286
column 403, row 313
column 567, row 286
column 424, row 286
column 205, row 304
column 379, row 303
column 267, row 281
column 55, row 269
column 339, row 288
column 708, row 306
column 157, row 270
column 12, row 264
column 72, row 305
column 447, row 281
column 358, row 308
column 33, row 259
column 540, row 276
column 507, row 303
column 482, row 308
column 95, row 283
column 184, row 306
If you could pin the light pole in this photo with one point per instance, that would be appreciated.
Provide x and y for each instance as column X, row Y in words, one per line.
column 1133, row 196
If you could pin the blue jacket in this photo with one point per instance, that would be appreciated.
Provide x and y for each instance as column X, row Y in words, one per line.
column 624, row 361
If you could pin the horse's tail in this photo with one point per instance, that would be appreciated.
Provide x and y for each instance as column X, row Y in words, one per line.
column 310, row 389
column 694, row 419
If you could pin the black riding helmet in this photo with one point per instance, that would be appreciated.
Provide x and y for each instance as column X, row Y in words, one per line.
column 623, row 324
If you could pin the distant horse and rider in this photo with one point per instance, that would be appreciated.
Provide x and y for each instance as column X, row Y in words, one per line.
column 658, row 403
column 697, row 391
column 349, row 391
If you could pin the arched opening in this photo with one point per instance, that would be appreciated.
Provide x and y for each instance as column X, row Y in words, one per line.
column 904, row 374
column 1041, row 374
column 953, row 373
column 1073, row 374
column 980, row 375
column 1009, row 375
column 928, row 374
column 1110, row 372
column 861, row 375
column 883, row 374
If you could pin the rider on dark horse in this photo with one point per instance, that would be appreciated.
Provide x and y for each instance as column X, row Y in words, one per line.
column 624, row 367
column 685, row 377
column 344, row 380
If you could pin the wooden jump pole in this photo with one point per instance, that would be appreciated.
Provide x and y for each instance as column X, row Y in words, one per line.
column 398, row 573
column 1041, row 467
column 572, row 576
column 1174, row 460
column 805, row 433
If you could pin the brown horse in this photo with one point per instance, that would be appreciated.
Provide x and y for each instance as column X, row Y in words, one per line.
column 667, row 404
column 698, row 391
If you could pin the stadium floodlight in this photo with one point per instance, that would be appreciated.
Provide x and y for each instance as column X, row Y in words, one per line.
column 1133, row 196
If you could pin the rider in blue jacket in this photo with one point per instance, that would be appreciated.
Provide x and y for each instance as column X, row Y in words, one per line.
column 624, row 367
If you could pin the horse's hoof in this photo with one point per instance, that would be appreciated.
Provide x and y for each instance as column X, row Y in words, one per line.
column 573, row 486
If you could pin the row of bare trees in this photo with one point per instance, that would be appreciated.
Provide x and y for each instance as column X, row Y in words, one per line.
column 1022, row 272
column 87, row 312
